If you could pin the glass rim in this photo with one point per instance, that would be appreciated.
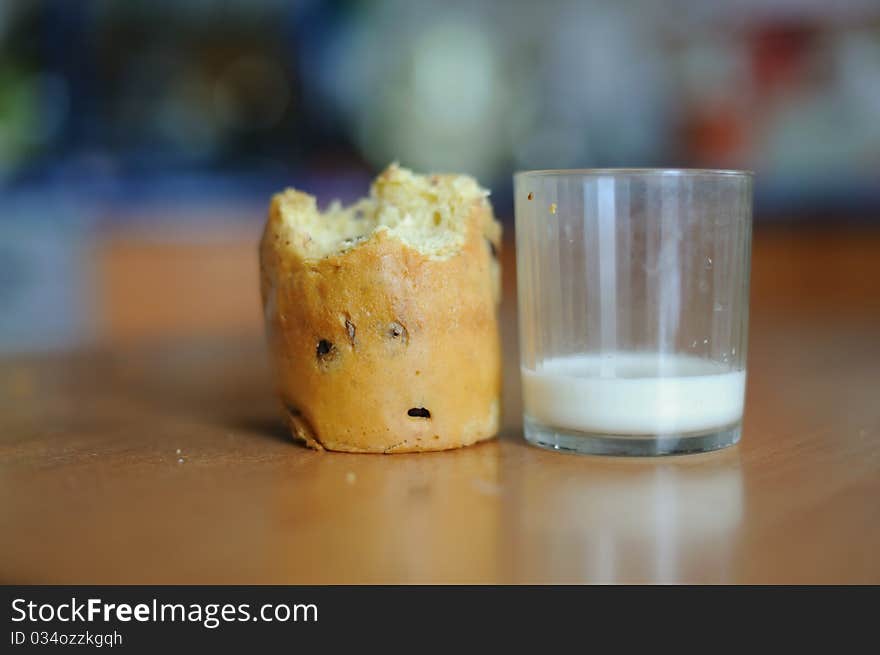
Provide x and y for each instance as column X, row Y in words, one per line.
column 595, row 172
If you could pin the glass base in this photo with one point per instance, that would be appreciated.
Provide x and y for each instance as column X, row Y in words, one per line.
column 587, row 443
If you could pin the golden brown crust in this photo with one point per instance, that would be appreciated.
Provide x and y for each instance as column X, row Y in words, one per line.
column 360, row 339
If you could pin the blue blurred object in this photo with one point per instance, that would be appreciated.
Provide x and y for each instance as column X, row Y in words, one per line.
column 46, row 271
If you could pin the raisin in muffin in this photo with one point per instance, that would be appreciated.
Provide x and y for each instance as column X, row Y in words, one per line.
column 381, row 316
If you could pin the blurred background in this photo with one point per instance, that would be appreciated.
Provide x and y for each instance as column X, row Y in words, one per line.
column 140, row 140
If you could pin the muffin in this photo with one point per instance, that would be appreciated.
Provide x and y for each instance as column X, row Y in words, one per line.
column 381, row 316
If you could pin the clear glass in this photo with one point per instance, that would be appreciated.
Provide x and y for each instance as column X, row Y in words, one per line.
column 633, row 308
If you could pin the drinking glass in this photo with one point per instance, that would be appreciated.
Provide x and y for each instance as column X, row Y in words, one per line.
column 633, row 308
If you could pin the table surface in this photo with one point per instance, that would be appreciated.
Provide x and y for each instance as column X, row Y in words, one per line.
column 166, row 463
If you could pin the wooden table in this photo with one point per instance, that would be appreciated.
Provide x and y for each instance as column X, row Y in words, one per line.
column 165, row 463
